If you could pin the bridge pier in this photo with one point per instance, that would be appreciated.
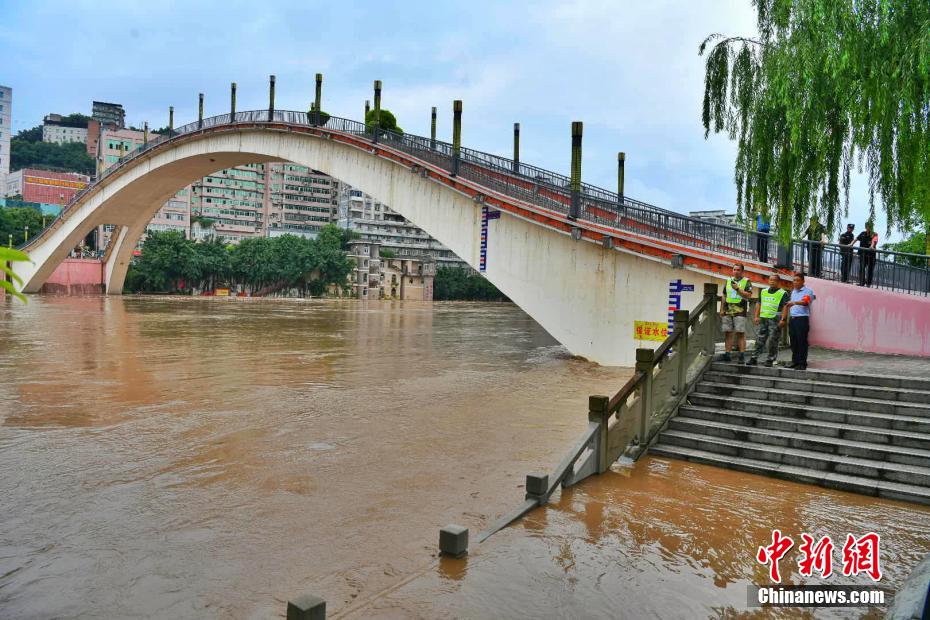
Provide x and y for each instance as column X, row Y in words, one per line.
column 118, row 256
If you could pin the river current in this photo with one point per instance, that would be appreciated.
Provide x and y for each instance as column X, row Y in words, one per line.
column 191, row 458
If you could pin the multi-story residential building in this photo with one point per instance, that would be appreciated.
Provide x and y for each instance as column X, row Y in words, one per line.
column 374, row 221
column 109, row 115
column 6, row 130
column 59, row 131
column 300, row 200
column 259, row 200
column 44, row 186
column 366, row 278
column 234, row 199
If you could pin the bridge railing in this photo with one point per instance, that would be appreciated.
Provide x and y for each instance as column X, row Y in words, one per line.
column 896, row 271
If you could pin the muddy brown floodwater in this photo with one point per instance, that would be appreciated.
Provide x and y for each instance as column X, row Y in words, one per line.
column 186, row 458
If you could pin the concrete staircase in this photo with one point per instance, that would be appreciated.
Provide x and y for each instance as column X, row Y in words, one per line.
column 862, row 433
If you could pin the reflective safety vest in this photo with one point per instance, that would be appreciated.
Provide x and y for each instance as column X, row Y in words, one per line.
column 769, row 302
column 732, row 296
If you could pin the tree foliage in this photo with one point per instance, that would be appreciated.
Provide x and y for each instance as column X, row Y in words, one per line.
column 917, row 243
column 71, row 156
column 9, row 255
column 171, row 263
column 14, row 220
column 455, row 284
column 388, row 121
column 311, row 114
column 828, row 85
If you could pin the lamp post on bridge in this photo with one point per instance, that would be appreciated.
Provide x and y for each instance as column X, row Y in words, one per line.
column 377, row 109
column 232, row 102
column 145, row 134
column 575, row 210
column 432, row 129
column 170, row 121
column 200, row 113
column 25, row 233
column 621, row 160
column 318, row 100
column 271, row 81
column 456, row 135
column 516, row 148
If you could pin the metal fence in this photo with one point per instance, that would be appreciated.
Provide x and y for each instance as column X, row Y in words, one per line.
column 908, row 273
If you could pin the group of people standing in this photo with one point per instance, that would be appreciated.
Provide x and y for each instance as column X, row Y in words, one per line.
column 776, row 309
column 815, row 236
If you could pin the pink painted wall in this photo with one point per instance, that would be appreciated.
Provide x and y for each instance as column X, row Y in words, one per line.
column 855, row 318
column 76, row 276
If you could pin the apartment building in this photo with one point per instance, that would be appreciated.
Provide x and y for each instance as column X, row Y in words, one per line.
column 110, row 115
column 59, row 131
column 376, row 222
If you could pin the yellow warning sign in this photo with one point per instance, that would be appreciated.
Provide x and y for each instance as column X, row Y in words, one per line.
column 650, row 330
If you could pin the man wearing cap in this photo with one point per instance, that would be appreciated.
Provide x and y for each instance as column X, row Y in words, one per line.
column 847, row 241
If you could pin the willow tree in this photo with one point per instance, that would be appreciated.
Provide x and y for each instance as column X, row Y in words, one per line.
column 826, row 87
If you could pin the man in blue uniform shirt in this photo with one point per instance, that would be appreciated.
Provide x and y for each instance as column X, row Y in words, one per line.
column 799, row 309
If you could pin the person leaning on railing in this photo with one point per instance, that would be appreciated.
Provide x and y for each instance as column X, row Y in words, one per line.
column 815, row 235
column 772, row 301
column 868, row 242
column 847, row 241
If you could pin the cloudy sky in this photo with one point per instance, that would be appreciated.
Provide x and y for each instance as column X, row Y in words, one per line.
column 629, row 70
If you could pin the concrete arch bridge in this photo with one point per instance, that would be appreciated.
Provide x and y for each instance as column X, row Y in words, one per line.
column 589, row 265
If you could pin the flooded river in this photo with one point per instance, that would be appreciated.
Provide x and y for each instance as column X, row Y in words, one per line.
column 187, row 458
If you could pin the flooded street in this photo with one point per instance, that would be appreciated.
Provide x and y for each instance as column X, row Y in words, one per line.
column 190, row 458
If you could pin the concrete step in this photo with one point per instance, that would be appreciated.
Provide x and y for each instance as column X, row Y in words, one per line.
column 852, row 389
column 829, row 376
column 804, row 441
column 816, row 400
column 851, row 432
column 912, row 424
column 808, row 459
column 855, row 484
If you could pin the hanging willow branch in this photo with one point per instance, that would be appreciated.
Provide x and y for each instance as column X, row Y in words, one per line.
column 828, row 85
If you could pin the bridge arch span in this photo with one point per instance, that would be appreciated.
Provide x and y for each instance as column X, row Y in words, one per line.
column 585, row 294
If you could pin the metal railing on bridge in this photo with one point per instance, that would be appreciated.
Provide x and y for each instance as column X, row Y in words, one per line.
column 908, row 273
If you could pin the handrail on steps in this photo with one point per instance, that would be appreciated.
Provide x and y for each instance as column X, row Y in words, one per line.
column 624, row 425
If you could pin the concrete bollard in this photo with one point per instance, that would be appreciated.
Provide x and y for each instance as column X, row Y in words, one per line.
column 453, row 541
column 306, row 607
column 537, row 487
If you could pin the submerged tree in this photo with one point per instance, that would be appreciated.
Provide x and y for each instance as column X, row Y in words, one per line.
column 828, row 85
